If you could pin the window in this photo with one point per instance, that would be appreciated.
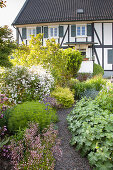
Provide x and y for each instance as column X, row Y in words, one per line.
column 80, row 11
column 110, row 56
column 31, row 31
column 53, row 32
column 81, row 30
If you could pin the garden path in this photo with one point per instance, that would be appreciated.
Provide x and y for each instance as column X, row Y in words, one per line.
column 71, row 159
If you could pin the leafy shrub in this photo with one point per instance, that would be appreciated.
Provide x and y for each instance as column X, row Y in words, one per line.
column 63, row 64
column 79, row 89
column 92, row 131
column 64, row 96
column 105, row 98
column 74, row 60
column 23, row 84
column 36, row 151
column 97, row 69
column 94, row 84
column 83, row 76
column 21, row 114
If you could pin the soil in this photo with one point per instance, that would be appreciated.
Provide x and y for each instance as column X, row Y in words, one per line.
column 71, row 159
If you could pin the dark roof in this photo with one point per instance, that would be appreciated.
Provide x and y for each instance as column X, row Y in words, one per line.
column 48, row 11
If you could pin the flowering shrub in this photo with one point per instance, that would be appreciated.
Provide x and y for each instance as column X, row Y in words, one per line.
column 30, row 111
column 23, row 84
column 36, row 151
column 4, row 150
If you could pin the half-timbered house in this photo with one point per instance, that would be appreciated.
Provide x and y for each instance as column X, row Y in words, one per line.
column 86, row 25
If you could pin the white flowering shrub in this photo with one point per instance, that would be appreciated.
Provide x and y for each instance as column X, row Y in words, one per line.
column 24, row 84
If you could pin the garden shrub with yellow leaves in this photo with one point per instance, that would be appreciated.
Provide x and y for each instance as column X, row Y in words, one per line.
column 63, row 96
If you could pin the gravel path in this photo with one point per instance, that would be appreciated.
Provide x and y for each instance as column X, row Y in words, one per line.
column 71, row 159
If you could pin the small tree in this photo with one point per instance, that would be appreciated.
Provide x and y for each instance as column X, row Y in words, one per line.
column 63, row 64
column 6, row 46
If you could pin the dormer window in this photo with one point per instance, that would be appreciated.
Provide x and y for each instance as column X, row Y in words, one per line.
column 80, row 11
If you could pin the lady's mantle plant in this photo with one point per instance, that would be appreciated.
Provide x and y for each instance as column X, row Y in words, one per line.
column 92, row 132
column 23, row 84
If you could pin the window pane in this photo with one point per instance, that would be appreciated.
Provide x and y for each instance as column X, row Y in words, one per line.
column 110, row 56
column 83, row 30
column 51, row 32
column 78, row 30
column 55, row 32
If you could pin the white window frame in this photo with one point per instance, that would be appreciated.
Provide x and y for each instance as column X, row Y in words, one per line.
column 81, row 25
column 53, row 27
column 31, row 28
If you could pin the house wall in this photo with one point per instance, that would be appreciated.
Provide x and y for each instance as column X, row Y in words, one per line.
column 105, row 35
column 102, row 36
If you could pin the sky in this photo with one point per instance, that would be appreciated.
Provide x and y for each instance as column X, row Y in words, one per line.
column 9, row 13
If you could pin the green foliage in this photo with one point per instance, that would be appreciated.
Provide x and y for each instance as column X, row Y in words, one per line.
column 97, row 69
column 74, row 60
column 63, row 64
column 97, row 82
column 64, row 96
column 105, row 98
column 92, row 132
column 6, row 46
column 94, row 83
column 21, row 114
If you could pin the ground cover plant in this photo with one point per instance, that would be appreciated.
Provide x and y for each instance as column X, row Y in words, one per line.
column 92, row 132
column 35, row 150
column 19, row 116
column 23, row 84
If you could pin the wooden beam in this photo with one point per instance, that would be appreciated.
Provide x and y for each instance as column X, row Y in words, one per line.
column 97, row 36
column 64, row 36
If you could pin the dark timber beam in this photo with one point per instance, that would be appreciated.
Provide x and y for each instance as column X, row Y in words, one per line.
column 102, row 44
column 97, row 36
column 20, row 34
column 43, row 36
column 97, row 56
column 92, row 39
column 68, row 35
column 64, row 36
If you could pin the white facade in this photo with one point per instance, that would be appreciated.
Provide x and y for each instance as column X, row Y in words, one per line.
column 96, row 46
